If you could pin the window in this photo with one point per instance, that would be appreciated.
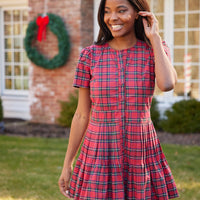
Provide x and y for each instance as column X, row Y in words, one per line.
column 182, row 29
column 187, row 42
column 15, row 62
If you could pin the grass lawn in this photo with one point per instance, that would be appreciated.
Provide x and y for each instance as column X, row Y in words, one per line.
column 30, row 168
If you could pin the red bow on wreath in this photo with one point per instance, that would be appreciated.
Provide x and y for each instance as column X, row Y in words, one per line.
column 42, row 23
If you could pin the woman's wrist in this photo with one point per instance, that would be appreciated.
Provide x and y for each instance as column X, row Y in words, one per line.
column 155, row 39
column 67, row 166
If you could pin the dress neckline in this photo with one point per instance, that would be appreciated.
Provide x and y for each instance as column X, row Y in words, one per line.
column 121, row 50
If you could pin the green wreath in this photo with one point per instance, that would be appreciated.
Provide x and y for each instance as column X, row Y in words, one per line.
column 56, row 26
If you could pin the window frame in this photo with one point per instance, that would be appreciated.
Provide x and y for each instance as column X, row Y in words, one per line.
column 4, row 91
column 187, row 46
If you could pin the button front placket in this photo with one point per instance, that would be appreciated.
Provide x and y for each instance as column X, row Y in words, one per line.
column 121, row 89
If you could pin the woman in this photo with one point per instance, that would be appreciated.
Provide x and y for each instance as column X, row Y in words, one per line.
column 121, row 157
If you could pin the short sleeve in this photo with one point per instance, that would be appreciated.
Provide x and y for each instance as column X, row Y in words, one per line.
column 82, row 74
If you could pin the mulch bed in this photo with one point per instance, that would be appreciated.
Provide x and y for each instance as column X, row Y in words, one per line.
column 16, row 127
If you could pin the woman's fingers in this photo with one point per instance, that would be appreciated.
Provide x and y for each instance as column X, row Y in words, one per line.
column 150, row 16
column 63, row 189
column 145, row 23
column 150, row 23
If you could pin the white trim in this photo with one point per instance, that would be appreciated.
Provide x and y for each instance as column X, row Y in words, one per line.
column 95, row 13
column 11, row 3
column 186, row 45
column 187, row 11
column 16, row 107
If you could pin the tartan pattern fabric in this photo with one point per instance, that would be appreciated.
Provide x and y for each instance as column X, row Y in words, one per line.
column 121, row 157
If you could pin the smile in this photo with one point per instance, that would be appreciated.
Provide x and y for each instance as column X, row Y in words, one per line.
column 116, row 27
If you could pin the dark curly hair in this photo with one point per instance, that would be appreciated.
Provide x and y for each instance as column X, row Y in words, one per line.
column 105, row 34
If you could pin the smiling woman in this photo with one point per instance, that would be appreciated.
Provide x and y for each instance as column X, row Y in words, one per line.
column 121, row 157
column 120, row 20
column 124, row 11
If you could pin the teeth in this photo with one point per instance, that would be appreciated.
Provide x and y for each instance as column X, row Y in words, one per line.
column 116, row 27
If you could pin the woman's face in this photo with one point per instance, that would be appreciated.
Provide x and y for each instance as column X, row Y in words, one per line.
column 120, row 17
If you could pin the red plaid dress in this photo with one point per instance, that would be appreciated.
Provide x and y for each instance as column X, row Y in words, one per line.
column 121, row 157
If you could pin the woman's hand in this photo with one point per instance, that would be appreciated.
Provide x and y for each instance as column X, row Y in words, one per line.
column 64, row 181
column 150, row 23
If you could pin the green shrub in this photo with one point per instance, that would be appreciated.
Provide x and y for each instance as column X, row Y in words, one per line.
column 183, row 117
column 1, row 111
column 68, row 109
column 155, row 114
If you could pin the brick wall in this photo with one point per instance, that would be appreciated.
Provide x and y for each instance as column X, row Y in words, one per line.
column 48, row 87
column 87, row 22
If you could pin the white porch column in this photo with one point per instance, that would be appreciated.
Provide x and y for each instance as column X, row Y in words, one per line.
column 96, row 26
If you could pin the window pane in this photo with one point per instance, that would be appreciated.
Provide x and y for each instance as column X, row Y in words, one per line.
column 17, row 43
column 179, row 21
column 7, row 16
column 8, row 70
column 195, row 90
column 180, row 72
column 16, row 15
column 17, row 84
column 193, row 38
column 161, row 21
column 193, row 20
column 25, row 15
column 17, row 70
column 25, row 70
column 26, row 84
column 16, row 29
column 8, row 56
column 179, row 89
column 195, row 72
column 17, row 56
column 15, row 24
column 162, row 35
column 25, row 58
column 179, row 5
column 179, row 38
column 179, row 55
column 158, row 6
column 7, row 30
column 8, row 43
column 194, row 5
column 195, row 54
column 8, row 83
column 24, row 29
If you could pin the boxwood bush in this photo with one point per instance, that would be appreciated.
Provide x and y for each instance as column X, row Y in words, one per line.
column 1, row 110
column 183, row 117
column 68, row 109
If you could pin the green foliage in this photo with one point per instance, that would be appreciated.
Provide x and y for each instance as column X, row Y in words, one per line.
column 184, row 117
column 155, row 114
column 57, row 27
column 1, row 110
column 68, row 109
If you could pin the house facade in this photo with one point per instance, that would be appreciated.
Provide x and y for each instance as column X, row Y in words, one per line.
column 31, row 92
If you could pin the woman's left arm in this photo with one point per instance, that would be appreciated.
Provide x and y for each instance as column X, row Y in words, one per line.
column 166, row 76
